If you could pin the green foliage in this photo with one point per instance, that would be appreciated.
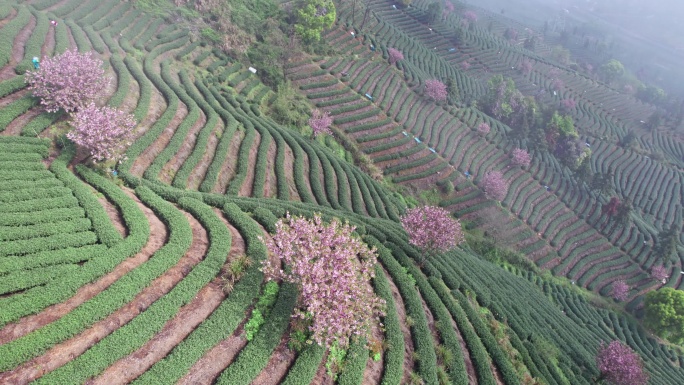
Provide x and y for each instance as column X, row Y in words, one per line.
column 563, row 125
column 313, row 16
column 664, row 314
column 612, row 70
column 335, row 361
column 262, row 309
column 289, row 107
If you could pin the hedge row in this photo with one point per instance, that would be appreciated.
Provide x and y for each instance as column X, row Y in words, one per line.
column 135, row 333
column 15, row 109
column 9, row 31
column 11, row 85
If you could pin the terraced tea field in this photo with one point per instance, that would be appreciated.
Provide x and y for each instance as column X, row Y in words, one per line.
column 128, row 279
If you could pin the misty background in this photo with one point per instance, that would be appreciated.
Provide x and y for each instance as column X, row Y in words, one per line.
column 646, row 36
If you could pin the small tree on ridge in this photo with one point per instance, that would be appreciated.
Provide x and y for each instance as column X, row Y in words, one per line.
column 104, row 132
column 620, row 365
column 432, row 229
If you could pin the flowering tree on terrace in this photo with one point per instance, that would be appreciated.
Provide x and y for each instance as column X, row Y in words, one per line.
column 526, row 67
column 494, row 185
column 465, row 65
column 448, row 8
column 557, row 85
column 470, row 16
column 483, row 129
column 394, row 55
column 436, row 90
column 432, row 229
column 568, row 104
column 521, row 157
column 333, row 269
column 620, row 290
column 659, row 273
column 67, row 81
column 320, row 123
column 104, row 132
column 619, row 365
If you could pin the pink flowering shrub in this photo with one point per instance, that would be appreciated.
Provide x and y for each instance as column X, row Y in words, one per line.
column 435, row 90
column 557, row 84
column 620, row 365
column 465, row 65
column 494, row 185
column 320, row 123
column 67, row 81
column 448, row 7
column 521, row 157
column 104, row 132
column 483, row 128
column 432, row 229
column 620, row 290
column 659, row 273
column 394, row 55
column 470, row 16
column 332, row 268
column 568, row 104
column 526, row 67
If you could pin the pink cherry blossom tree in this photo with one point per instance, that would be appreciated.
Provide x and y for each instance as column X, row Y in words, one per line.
column 526, row 67
column 620, row 365
column 394, row 55
column 465, row 65
column 568, row 104
column 105, row 132
column 320, row 123
column 494, row 185
column 448, row 8
column 470, row 16
column 67, row 81
column 620, row 290
column 436, row 90
column 521, row 157
column 483, row 128
column 659, row 273
column 332, row 268
column 432, row 229
column 557, row 84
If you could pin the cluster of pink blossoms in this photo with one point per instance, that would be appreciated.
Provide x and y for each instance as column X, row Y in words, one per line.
column 494, row 185
column 320, row 122
column 105, row 132
column 435, row 90
column 333, row 269
column 394, row 55
column 432, row 229
column 619, row 365
column 68, row 81
column 620, row 290
column 521, row 157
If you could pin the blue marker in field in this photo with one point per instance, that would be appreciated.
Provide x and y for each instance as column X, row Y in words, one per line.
column 36, row 63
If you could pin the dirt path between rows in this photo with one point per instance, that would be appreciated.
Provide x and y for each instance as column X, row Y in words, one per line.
column 66, row 351
column 171, row 168
column 18, row 49
column 176, row 330
column 52, row 313
column 197, row 175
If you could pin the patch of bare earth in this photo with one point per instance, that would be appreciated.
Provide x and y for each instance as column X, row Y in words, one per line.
column 278, row 364
column 147, row 157
column 18, row 49
column 408, row 342
column 63, row 352
column 49, row 43
column 170, row 168
column 322, row 377
column 50, row 314
column 207, row 368
column 374, row 369
column 14, row 128
column 177, row 329
column 10, row 16
column 248, row 182
column 229, row 164
column 197, row 175
column 271, row 185
column 289, row 173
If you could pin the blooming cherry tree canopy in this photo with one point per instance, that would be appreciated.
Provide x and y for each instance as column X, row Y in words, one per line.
column 494, row 185
column 620, row 290
column 332, row 268
column 104, row 131
column 320, row 122
column 68, row 81
column 521, row 157
column 394, row 55
column 619, row 365
column 432, row 229
column 436, row 90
